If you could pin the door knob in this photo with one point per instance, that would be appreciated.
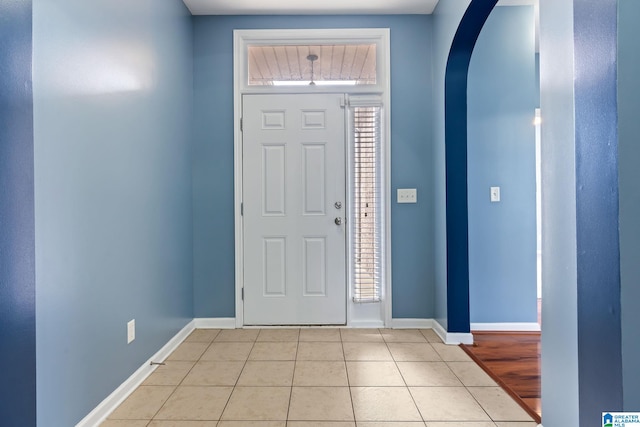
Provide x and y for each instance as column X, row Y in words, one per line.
column 338, row 221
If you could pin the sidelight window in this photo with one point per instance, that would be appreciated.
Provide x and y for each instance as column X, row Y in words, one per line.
column 367, row 245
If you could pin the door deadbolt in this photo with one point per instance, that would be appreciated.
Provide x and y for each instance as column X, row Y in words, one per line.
column 338, row 205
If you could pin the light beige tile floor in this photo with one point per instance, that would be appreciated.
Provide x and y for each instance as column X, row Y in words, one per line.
column 318, row 378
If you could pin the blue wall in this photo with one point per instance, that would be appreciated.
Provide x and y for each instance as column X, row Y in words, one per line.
column 580, row 256
column 501, row 152
column 17, row 235
column 411, row 156
column 629, row 176
column 113, row 92
column 597, row 208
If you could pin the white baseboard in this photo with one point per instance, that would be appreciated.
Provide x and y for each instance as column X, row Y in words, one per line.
column 412, row 323
column 452, row 338
column 457, row 338
column 108, row 405
column 440, row 330
column 507, row 327
column 215, row 322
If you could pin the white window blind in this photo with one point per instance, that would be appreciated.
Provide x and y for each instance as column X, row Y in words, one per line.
column 366, row 199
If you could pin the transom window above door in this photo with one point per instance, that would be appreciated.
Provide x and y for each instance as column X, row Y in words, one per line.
column 312, row 60
column 300, row 65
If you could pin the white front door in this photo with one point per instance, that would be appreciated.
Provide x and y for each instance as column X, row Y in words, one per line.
column 294, row 209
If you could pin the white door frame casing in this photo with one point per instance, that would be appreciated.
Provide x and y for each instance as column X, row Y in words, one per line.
column 362, row 315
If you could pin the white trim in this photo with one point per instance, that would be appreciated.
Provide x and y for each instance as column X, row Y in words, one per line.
column 293, row 327
column 366, row 324
column 381, row 36
column 365, row 101
column 458, row 338
column 111, row 402
column 452, row 338
column 388, row 198
column 510, row 327
column 440, row 330
column 413, row 323
column 323, row 36
column 516, row 3
column 238, row 64
column 215, row 323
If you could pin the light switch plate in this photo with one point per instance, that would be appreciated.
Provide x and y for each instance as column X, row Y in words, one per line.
column 495, row 194
column 131, row 331
column 407, row 195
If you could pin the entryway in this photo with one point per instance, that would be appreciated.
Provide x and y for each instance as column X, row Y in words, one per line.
column 312, row 182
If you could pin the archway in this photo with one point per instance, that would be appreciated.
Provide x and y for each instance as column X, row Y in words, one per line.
column 457, row 215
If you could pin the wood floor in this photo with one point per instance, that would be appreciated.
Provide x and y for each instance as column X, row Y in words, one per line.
column 513, row 360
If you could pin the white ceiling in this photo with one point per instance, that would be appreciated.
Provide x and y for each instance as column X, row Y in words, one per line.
column 320, row 7
column 309, row 7
column 330, row 7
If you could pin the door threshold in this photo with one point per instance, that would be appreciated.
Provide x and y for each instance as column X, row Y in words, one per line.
column 331, row 326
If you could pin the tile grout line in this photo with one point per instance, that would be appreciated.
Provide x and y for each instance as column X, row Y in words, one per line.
column 183, row 378
column 446, row 362
column 233, row 389
column 295, row 365
column 404, row 379
column 254, row 341
column 467, row 389
column 344, row 360
column 480, row 404
column 195, row 363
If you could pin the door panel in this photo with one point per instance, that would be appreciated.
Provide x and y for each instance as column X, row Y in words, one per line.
column 293, row 175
